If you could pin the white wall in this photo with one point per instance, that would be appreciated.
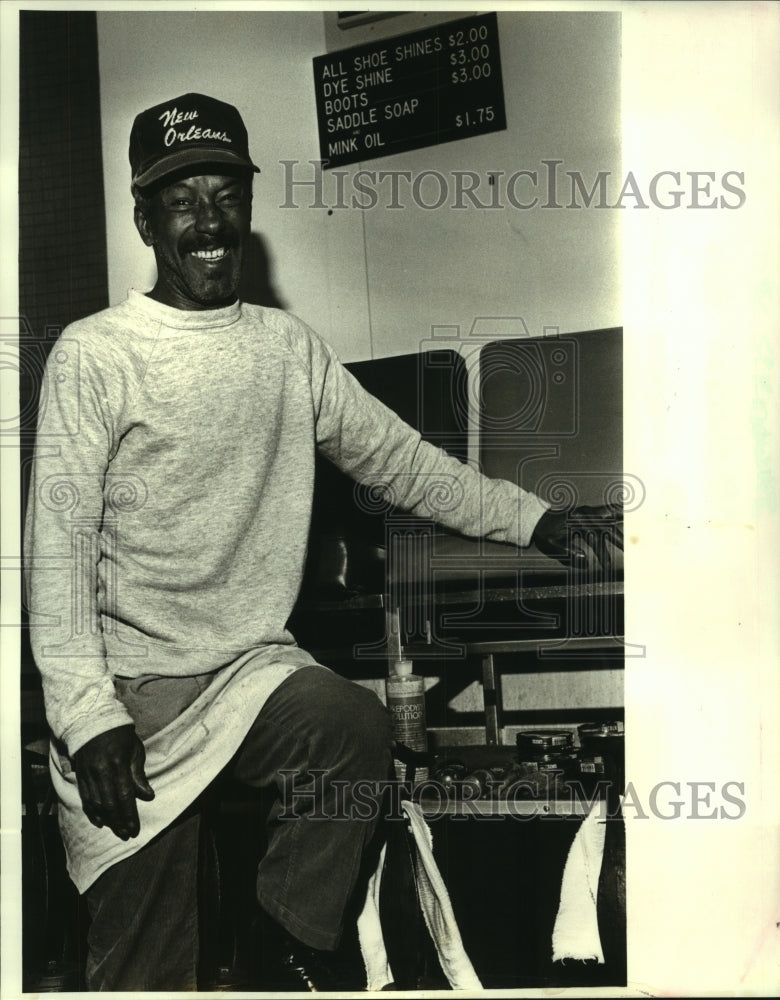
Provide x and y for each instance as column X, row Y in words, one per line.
column 375, row 283
column 552, row 267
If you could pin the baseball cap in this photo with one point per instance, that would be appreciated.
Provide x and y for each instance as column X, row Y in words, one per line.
column 186, row 131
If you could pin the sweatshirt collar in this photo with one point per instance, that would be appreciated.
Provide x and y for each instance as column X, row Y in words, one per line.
column 184, row 319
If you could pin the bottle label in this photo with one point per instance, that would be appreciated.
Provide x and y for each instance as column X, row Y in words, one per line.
column 408, row 712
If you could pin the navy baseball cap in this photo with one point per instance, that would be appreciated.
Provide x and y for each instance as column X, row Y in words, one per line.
column 187, row 131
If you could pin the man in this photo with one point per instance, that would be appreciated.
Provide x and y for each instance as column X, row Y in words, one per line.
column 172, row 487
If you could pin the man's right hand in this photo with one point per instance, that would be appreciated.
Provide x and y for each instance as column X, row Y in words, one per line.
column 110, row 775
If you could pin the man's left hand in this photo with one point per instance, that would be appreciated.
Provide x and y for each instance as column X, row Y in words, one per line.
column 581, row 537
column 110, row 775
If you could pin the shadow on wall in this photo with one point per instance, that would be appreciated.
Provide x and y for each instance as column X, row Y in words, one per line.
column 257, row 286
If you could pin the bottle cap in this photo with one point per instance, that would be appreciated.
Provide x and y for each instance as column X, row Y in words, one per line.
column 401, row 668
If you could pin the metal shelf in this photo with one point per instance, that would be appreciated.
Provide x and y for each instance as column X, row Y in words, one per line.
column 541, row 592
column 523, row 808
column 486, row 595
column 574, row 643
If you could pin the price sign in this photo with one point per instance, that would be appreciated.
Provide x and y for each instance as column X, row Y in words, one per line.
column 411, row 91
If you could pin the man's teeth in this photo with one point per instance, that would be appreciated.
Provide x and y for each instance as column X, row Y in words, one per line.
column 210, row 254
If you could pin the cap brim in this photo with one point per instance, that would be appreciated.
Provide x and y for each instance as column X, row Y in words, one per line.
column 190, row 158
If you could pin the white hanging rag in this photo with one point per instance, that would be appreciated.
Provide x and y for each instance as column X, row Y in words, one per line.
column 437, row 911
column 372, row 943
column 576, row 930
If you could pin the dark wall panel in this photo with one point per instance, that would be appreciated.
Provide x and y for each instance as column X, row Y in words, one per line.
column 63, row 272
column 62, row 253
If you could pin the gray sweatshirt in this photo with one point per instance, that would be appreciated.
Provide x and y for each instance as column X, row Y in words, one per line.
column 172, row 488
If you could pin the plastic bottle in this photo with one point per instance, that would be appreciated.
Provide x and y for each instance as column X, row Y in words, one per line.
column 406, row 701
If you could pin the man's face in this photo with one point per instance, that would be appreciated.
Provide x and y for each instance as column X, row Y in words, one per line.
column 198, row 227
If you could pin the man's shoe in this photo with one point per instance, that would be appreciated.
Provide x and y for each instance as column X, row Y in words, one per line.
column 287, row 965
column 315, row 971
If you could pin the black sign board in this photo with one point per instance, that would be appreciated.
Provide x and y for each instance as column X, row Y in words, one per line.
column 413, row 90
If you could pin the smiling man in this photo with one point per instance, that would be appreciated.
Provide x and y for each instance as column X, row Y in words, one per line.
column 199, row 266
column 166, row 537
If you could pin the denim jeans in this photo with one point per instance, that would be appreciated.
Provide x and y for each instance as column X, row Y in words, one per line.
column 323, row 742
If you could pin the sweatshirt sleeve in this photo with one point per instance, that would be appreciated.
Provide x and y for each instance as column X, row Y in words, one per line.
column 64, row 522
column 369, row 442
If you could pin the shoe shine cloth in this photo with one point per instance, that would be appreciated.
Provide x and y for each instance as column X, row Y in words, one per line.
column 436, row 908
